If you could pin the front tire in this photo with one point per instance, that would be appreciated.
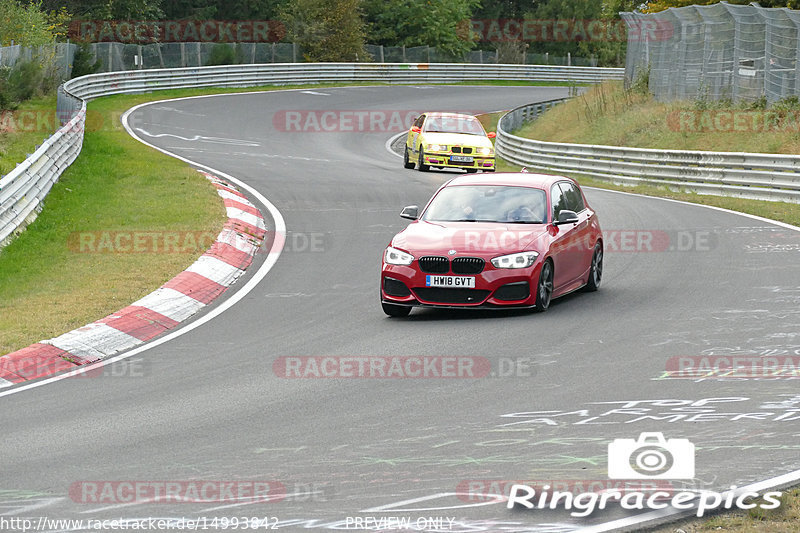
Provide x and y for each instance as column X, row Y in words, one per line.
column 596, row 269
column 395, row 311
column 544, row 287
column 421, row 166
column 406, row 162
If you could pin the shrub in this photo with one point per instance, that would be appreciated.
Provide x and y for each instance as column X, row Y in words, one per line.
column 82, row 62
column 225, row 54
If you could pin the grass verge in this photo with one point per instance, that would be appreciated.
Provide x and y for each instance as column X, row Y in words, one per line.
column 608, row 114
column 784, row 519
column 49, row 286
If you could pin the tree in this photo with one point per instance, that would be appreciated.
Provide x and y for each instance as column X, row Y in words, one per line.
column 27, row 24
column 109, row 9
column 608, row 46
column 442, row 24
column 326, row 30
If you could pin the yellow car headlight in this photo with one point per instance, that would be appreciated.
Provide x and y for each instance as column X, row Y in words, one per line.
column 436, row 147
column 485, row 151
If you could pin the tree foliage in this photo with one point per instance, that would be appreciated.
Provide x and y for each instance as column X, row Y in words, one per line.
column 326, row 30
column 29, row 24
column 439, row 23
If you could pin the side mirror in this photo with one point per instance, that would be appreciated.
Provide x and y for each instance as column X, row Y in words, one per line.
column 491, row 134
column 410, row 212
column 566, row 217
column 416, row 129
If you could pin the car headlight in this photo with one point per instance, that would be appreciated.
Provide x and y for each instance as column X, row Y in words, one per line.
column 518, row 260
column 436, row 147
column 393, row 256
column 483, row 150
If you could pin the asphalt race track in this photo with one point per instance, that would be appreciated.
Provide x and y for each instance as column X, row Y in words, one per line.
column 680, row 281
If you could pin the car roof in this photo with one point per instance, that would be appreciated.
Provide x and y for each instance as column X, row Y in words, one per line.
column 447, row 114
column 520, row 179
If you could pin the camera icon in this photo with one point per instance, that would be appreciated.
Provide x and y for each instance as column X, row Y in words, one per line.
column 651, row 457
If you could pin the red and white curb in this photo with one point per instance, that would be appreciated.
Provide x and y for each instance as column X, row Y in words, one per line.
column 161, row 310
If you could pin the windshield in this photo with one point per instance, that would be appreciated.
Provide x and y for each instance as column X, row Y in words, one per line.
column 488, row 203
column 454, row 124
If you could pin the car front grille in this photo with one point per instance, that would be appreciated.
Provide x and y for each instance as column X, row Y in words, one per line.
column 468, row 265
column 434, row 264
column 460, row 150
column 451, row 296
column 467, row 150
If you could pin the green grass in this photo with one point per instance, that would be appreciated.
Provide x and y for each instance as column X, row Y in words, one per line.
column 17, row 144
column 784, row 519
column 607, row 114
column 48, row 287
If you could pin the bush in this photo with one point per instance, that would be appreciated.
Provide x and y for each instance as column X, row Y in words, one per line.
column 225, row 54
column 25, row 80
column 82, row 62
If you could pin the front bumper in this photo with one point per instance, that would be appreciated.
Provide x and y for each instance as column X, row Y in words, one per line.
column 494, row 288
column 444, row 159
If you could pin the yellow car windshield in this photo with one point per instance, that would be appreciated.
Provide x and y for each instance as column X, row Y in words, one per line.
column 455, row 124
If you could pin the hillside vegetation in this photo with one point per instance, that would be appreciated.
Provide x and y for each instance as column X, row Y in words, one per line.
column 609, row 114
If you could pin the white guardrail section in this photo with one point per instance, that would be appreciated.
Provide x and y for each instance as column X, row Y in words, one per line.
column 755, row 176
column 24, row 188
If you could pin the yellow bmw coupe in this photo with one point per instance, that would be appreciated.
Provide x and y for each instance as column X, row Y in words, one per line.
column 449, row 140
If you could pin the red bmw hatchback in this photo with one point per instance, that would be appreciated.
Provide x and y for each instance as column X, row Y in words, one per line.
column 494, row 241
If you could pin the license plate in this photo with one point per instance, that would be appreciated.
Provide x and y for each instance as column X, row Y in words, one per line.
column 461, row 158
column 455, row 282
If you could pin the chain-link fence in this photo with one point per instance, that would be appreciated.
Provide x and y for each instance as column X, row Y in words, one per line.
column 741, row 52
column 118, row 56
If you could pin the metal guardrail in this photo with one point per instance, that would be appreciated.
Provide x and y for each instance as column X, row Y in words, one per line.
column 24, row 188
column 756, row 176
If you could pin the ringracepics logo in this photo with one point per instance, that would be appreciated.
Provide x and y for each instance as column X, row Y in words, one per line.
column 650, row 457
